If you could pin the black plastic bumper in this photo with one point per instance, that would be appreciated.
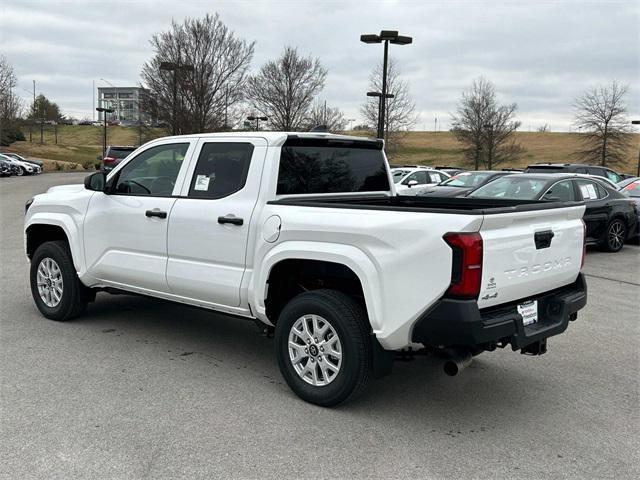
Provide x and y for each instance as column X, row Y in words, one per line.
column 461, row 323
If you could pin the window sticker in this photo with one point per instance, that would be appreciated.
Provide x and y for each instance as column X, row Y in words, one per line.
column 588, row 191
column 202, row 183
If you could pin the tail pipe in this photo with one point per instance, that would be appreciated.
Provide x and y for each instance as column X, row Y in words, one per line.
column 457, row 361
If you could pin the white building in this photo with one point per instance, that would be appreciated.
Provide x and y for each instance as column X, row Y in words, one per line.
column 126, row 101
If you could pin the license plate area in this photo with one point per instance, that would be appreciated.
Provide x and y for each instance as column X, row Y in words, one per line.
column 529, row 312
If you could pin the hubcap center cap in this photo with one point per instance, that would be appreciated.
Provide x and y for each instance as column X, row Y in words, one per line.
column 313, row 350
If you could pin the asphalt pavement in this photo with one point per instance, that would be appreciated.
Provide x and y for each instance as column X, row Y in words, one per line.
column 141, row 388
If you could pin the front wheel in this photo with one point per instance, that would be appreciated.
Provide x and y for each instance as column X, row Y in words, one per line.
column 20, row 171
column 323, row 347
column 615, row 236
column 55, row 287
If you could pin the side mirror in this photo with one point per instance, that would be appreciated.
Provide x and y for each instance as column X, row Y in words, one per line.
column 96, row 182
column 412, row 183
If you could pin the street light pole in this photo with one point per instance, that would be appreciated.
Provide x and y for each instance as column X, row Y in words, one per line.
column 383, row 107
column 637, row 122
column 174, row 67
column 386, row 36
column 382, row 99
column 257, row 120
column 104, row 133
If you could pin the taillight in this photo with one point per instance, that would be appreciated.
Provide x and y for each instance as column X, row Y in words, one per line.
column 109, row 159
column 466, row 270
column 584, row 243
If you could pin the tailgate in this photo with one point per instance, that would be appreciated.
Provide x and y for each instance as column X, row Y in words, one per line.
column 526, row 253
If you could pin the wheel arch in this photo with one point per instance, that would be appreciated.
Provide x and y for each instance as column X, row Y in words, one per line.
column 347, row 269
column 40, row 230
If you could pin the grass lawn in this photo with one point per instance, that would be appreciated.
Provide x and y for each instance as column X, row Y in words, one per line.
column 441, row 148
column 78, row 146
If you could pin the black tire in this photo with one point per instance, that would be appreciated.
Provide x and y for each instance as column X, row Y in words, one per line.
column 615, row 235
column 350, row 322
column 20, row 172
column 74, row 296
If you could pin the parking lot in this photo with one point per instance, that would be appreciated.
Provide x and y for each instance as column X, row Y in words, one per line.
column 140, row 388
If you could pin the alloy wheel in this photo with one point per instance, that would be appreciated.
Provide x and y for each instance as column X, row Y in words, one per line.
column 315, row 350
column 49, row 281
column 616, row 235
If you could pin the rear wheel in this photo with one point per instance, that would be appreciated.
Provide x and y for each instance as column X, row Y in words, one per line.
column 323, row 347
column 615, row 236
column 55, row 287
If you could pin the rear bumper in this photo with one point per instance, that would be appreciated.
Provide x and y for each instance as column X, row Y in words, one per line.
column 461, row 323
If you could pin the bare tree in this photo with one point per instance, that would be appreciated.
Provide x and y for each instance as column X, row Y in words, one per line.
column 330, row 117
column 600, row 115
column 214, row 88
column 486, row 128
column 9, row 104
column 544, row 128
column 400, row 110
column 284, row 89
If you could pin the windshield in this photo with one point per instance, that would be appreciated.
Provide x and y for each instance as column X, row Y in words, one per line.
column 398, row 175
column 318, row 166
column 513, row 188
column 467, row 179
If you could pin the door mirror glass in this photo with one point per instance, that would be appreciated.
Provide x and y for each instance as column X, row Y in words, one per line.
column 96, row 182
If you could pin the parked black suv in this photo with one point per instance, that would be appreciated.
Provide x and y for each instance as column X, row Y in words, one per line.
column 575, row 168
column 114, row 155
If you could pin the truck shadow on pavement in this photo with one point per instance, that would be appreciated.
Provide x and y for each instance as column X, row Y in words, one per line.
column 419, row 389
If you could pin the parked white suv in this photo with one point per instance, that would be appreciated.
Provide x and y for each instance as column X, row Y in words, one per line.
column 304, row 233
column 416, row 180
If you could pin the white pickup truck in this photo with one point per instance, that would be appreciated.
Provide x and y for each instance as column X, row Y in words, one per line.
column 303, row 232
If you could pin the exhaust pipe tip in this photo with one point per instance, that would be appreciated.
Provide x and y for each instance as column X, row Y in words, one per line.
column 458, row 361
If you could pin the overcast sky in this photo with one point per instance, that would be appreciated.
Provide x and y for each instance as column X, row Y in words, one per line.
column 540, row 54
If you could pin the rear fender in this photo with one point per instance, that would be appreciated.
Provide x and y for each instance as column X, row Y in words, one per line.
column 346, row 255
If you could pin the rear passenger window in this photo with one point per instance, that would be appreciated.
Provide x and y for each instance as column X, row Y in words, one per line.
column 221, row 170
column 588, row 190
column 435, row 177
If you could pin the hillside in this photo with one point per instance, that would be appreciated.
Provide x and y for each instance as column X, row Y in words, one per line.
column 81, row 144
column 441, row 148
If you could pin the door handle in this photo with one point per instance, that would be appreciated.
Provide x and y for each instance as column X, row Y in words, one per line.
column 229, row 218
column 543, row 239
column 156, row 213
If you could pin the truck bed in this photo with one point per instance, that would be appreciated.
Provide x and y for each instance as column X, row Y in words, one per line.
column 462, row 205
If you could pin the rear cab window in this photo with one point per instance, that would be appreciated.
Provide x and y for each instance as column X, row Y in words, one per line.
column 322, row 165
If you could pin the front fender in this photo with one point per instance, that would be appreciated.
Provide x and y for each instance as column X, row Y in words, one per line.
column 70, row 228
column 353, row 258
